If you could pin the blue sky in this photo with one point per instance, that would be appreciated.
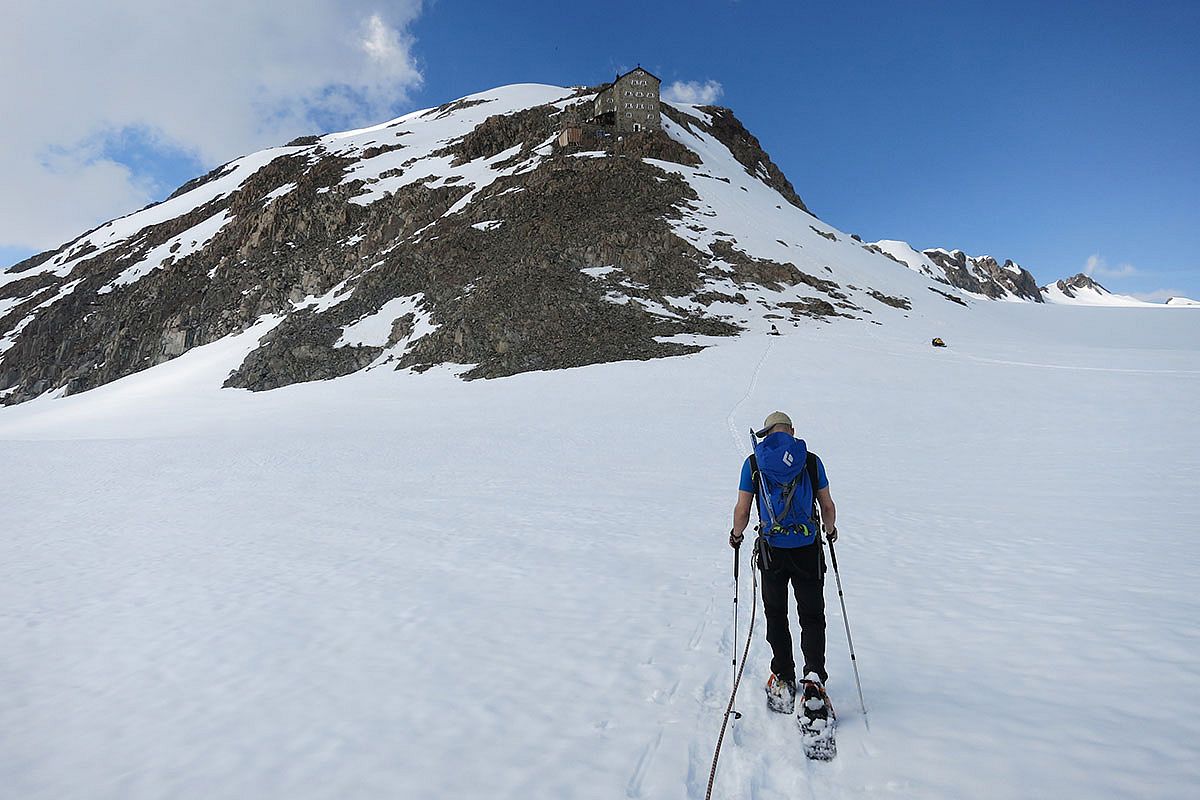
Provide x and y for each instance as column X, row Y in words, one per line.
column 1061, row 135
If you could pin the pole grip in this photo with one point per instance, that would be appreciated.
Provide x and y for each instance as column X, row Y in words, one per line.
column 737, row 551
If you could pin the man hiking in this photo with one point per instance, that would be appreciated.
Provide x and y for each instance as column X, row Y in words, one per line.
column 785, row 478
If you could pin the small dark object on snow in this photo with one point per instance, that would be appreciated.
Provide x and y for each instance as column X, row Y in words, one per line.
column 775, row 331
column 937, row 342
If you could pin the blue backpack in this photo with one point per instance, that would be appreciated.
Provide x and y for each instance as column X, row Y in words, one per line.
column 785, row 477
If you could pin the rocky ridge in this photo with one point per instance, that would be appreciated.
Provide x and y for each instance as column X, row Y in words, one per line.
column 457, row 235
column 982, row 276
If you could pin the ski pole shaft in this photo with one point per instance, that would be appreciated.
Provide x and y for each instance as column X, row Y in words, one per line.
column 849, row 640
column 737, row 551
column 737, row 679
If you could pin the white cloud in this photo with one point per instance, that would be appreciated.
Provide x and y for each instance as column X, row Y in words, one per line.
column 1097, row 267
column 383, row 44
column 213, row 79
column 701, row 94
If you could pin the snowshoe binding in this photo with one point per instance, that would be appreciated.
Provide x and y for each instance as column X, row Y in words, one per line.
column 816, row 720
column 781, row 694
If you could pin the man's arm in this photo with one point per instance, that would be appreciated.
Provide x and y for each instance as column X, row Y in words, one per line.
column 741, row 517
column 828, row 513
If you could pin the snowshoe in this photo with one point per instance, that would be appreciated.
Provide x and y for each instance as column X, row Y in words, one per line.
column 816, row 720
column 781, row 695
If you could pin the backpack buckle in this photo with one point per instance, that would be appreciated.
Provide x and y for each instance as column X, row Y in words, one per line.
column 779, row 530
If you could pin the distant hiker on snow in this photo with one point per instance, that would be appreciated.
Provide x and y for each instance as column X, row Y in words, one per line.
column 788, row 482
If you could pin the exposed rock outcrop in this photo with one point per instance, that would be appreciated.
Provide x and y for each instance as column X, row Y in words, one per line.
column 1070, row 286
column 984, row 275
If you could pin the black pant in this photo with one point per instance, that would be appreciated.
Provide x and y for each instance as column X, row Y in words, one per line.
column 804, row 569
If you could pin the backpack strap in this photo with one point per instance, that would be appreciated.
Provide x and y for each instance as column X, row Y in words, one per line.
column 762, row 550
column 810, row 466
column 789, row 496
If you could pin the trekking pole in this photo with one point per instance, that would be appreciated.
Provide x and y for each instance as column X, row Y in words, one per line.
column 712, row 774
column 737, row 551
column 736, row 586
column 846, row 621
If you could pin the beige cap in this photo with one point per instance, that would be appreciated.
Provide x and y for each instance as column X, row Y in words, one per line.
column 773, row 419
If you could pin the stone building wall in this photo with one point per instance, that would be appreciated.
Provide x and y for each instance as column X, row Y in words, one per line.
column 631, row 102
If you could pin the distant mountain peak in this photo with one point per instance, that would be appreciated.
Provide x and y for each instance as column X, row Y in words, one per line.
column 1081, row 289
column 1071, row 285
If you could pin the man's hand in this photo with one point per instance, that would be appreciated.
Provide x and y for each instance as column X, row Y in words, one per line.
column 735, row 539
column 830, row 534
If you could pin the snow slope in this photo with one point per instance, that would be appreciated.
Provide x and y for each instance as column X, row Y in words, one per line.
column 907, row 255
column 398, row 585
